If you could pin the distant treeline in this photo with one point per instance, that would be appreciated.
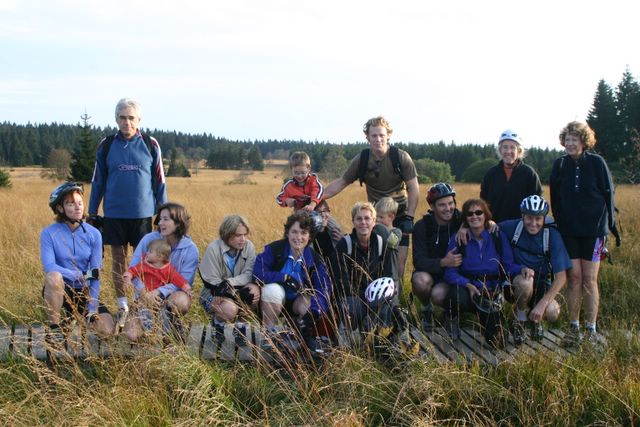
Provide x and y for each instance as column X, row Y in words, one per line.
column 22, row 145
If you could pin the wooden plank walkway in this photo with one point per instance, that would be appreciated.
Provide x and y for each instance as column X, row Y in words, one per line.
column 30, row 341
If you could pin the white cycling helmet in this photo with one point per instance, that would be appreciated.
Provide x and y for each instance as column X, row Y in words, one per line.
column 380, row 289
column 510, row 135
column 534, row 205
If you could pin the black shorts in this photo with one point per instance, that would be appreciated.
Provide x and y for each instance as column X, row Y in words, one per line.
column 587, row 248
column 122, row 231
column 75, row 301
column 406, row 234
column 540, row 287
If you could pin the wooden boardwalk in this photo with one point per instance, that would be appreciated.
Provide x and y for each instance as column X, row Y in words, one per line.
column 30, row 341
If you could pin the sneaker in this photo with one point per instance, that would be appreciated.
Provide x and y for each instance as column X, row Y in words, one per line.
column 536, row 331
column 427, row 318
column 319, row 344
column 218, row 330
column 595, row 338
column 121, row 316
column 452, row 326
column 518, row 332
column 572, row 337
column 240, row 334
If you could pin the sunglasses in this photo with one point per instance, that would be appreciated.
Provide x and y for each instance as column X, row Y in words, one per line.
column 478, row 212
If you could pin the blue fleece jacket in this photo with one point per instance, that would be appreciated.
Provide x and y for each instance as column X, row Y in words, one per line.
column 131, row 180
column 72, row 254
column 184, row 258
column 482, row 261
column 267, row 270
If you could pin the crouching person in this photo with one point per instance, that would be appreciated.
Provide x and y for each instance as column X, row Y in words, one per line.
column 362, row 260
column 226, row 270
column 539, row 247
column 294, row 278
column 71, row 253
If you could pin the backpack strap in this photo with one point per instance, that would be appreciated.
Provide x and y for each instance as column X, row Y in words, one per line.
column 394, row 153
column 545, row 243
column 347, row 238
column 517, row 233
column 362, row 165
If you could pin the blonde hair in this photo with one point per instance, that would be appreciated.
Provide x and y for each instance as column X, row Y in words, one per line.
column 230, row 224
column 363, row 206
column 377, row 121
column 386, row 206
column 161, row 248
column 299, row 158
column 582, row 131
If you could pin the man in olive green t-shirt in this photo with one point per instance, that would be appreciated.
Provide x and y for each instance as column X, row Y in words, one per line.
column 382, row 180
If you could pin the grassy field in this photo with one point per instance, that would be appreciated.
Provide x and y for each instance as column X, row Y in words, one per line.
column 175, row 388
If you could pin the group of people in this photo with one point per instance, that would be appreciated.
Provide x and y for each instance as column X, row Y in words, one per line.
column 498, row 245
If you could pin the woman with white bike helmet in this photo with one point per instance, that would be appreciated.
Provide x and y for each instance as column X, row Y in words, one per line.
column 508, row 182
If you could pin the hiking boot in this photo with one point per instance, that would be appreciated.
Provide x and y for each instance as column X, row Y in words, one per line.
column 536, row 331
column 406, row 344
column 319, row 344
column 240, row 334
column 595, row 338
column 427, row 318
column 121, row 317
column 518, row 332
column 452, row 326
column 218, row 331
column 572, row 337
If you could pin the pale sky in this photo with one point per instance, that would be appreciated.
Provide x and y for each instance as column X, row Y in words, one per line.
column 460, row 70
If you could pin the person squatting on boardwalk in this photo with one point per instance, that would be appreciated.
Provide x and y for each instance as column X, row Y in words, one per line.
column 226, row 270
column 385, row 171
column 172, row 223
column 538, row 245
column 431, row 237
column 129, row 178
column 71, row 254
column 294, row 278
column 485, row 274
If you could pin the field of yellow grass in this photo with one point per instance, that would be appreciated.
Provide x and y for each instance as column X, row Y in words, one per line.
column 177, row 388
column 209, row 197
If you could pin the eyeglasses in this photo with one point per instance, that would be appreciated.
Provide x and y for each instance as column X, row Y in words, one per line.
column 478, row 212
column 300, row 173
column 325, row 211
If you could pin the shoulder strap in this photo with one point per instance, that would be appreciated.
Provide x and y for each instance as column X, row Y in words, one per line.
column 394, row 153
column 347, row 238
column 380, row 243
column 545, row 242
column 497, row 241
column 362, row 165
column 277, row 250
column 517, row 233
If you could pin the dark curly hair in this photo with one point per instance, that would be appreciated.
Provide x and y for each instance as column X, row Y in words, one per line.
column 302, row 218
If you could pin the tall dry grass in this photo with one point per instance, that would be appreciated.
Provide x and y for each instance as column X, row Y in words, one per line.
column 176, row 388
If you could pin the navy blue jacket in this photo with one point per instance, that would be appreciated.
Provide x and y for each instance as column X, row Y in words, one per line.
column 582, row 195
column 504, row 196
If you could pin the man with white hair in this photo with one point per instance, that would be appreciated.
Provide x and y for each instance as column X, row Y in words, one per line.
column 129, row 178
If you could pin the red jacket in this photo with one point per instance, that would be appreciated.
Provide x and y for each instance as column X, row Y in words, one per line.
column 311, row 190
column 154, row 277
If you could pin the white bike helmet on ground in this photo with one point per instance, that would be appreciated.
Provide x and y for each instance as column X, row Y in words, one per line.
column 380, row 289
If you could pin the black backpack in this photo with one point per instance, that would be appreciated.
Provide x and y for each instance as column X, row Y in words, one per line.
column 364, row 162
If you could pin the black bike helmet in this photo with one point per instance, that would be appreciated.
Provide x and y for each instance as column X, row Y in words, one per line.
column 58, row 194
column 534, row 205
column 438, row 191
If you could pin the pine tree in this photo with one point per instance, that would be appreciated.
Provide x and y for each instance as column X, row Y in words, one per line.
column 255, row 160
column 603, row 119
column 84, row 156
column 628, row 105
